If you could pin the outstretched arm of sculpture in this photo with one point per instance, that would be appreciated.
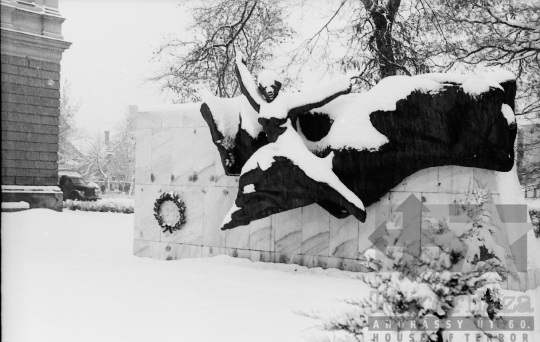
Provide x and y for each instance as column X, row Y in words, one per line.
column 248, row 87
column 319, row 96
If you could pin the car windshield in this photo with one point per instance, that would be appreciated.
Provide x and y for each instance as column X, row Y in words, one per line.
column 78, row 181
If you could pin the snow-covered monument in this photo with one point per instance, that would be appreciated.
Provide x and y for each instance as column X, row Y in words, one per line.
column 318, row 178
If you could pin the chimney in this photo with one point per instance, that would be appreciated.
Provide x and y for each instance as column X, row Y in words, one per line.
column 106, row 138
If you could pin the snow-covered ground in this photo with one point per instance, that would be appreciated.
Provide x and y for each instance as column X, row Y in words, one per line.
column 71, row 276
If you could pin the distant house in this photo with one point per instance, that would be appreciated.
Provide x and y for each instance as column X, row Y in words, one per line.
column 31, row 50
column 70, row 157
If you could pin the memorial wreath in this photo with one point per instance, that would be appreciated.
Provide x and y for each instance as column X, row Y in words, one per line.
column 170, row 211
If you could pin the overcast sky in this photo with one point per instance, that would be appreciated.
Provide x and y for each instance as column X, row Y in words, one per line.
column 109, row 59
column 113, row 44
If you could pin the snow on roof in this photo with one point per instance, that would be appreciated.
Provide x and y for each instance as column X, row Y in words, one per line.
column 31, row 189
column 80, row 145
column 71, row 173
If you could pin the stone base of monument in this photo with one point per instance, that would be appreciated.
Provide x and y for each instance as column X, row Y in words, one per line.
column 175, row 153
column 36, row 196
column 9, row 207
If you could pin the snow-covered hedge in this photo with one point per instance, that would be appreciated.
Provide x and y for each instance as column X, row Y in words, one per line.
column 125, row 206
column 458, row 262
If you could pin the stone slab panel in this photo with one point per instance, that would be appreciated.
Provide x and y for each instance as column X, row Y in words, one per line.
column 426, row 180
column 203, row 157
column 267, row 256
column 237, row 237
column 288, row 231
column 143, row 156
column 261, row 235
column 161, row 156
column 377, row 213
column 462, row 179
column 182, row 156
column 156, row 249
column 172, row 119
column 315, row 230
column 148, row 228
column 445, row 179
column 141, row 248
column 217, row 202
column 344, row 237
column 326, row 262
column 486, row 179
column 193, row 119
column 208, row 252
column 287, row 258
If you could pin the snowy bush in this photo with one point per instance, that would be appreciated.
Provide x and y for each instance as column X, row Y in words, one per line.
column 125, row 206
column 456, row 261
column 535, row 218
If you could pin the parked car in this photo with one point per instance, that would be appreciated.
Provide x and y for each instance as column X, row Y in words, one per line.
column 74, row 187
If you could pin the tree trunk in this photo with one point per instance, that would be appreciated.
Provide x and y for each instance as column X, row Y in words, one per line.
column 383, row 17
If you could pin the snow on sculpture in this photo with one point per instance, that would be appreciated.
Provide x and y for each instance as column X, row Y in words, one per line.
column 286, row 148
column 345, row 151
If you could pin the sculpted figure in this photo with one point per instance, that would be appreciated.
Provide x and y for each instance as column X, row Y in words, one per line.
column 345, row 151
column 277, row 111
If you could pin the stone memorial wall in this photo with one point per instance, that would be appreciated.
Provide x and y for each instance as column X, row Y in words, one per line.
column 175, row 152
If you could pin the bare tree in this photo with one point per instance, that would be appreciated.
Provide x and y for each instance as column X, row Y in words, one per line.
column 96, row 157
column 122, row 165
column 107, row 160
column 377, row 38
column 383, row 38
column 528, row 154
column 68, row 155
column 220, row 27
column 503, row 33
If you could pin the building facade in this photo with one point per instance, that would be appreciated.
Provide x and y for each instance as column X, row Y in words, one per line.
column 31, row 51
